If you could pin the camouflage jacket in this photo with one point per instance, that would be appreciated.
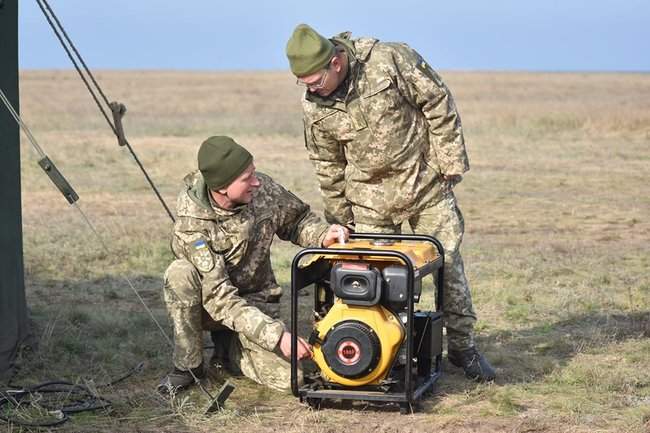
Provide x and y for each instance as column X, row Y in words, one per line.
column 381, row 142
column 231, row 251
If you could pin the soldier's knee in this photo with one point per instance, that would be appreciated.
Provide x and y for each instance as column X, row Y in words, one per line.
column 454, row 262
column 451, row 240
column 182, row 284
column 280, row 379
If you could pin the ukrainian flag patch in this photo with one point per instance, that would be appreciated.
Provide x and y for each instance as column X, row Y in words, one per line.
column 202, row 256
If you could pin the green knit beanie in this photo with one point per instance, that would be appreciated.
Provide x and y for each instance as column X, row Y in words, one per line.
column 308, row 52
column 221, row 160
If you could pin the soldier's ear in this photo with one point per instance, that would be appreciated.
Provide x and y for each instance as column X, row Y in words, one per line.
column 337, row 62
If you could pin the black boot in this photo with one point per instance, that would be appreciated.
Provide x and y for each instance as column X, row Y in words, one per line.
column 179, row 379
column 221, row 355
column 474, row 364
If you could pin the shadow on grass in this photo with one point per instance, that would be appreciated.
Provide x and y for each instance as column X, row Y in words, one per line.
column 92, row 329
column 109, row 291
column 99, row 326
column 528, row 355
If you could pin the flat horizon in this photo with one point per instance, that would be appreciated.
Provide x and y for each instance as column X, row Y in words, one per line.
column 573, row 35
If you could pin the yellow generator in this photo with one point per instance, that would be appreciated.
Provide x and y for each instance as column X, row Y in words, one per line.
column 369, row 341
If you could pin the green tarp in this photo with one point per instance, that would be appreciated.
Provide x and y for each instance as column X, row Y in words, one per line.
column 13, row 309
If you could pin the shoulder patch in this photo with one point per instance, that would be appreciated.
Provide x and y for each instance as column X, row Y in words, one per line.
column 420, row 62
column 202, row 256
column 422, row 65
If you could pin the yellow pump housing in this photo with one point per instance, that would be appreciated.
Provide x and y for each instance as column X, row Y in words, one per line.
column 388, row 329
column 420, row 253
column 371, row 340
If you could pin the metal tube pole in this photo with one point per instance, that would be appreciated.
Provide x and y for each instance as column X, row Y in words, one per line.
column 13, row 307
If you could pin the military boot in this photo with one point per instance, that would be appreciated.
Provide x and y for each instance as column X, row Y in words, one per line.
column 220, row 359
column 474, row 364
column 179, row 379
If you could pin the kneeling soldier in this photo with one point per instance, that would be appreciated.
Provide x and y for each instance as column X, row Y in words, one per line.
column 222, row 279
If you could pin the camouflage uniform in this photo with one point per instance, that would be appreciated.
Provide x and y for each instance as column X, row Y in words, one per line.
column 380, row 145
column 223, row 277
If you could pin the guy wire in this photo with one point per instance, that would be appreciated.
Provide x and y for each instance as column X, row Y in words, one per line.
column 21, row 124
column 38, row 148
column 128, row 281
column 61, row 34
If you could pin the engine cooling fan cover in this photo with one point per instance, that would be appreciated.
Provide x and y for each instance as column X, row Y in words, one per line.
column 351, row 349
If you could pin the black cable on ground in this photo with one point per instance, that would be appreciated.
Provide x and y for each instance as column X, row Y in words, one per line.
column 45, row 399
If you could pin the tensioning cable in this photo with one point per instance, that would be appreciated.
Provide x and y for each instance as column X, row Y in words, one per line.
column 70, row 194
column 118, row 110
column 216, row 402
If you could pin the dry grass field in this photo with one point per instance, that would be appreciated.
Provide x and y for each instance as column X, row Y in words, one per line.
column 557, row 210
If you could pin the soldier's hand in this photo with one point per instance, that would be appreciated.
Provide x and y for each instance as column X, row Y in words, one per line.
column 336, row 233
column 304, row 349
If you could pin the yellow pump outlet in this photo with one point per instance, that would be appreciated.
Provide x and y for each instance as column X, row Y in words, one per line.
column 388, row 333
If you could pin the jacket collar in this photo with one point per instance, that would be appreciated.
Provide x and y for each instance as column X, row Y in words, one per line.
column 197, row 203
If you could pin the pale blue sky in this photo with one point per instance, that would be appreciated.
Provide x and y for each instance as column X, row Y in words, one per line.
column 551, row 35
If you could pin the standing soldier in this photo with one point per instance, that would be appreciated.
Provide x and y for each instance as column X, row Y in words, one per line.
column 222, row 279
column 386, row 141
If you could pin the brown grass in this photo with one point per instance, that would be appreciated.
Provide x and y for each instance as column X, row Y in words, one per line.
column 556, row 249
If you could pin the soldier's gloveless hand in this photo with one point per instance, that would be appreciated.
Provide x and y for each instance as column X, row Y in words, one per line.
column 334, row 234
column 304, row 349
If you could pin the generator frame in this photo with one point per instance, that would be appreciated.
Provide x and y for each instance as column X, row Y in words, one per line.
column 315, row 272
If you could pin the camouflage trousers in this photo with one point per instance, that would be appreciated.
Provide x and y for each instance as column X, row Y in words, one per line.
column 444, row 221
column 182, row 293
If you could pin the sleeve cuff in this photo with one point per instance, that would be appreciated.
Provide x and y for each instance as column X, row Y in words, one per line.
column 270, row 334
column 321, row 237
